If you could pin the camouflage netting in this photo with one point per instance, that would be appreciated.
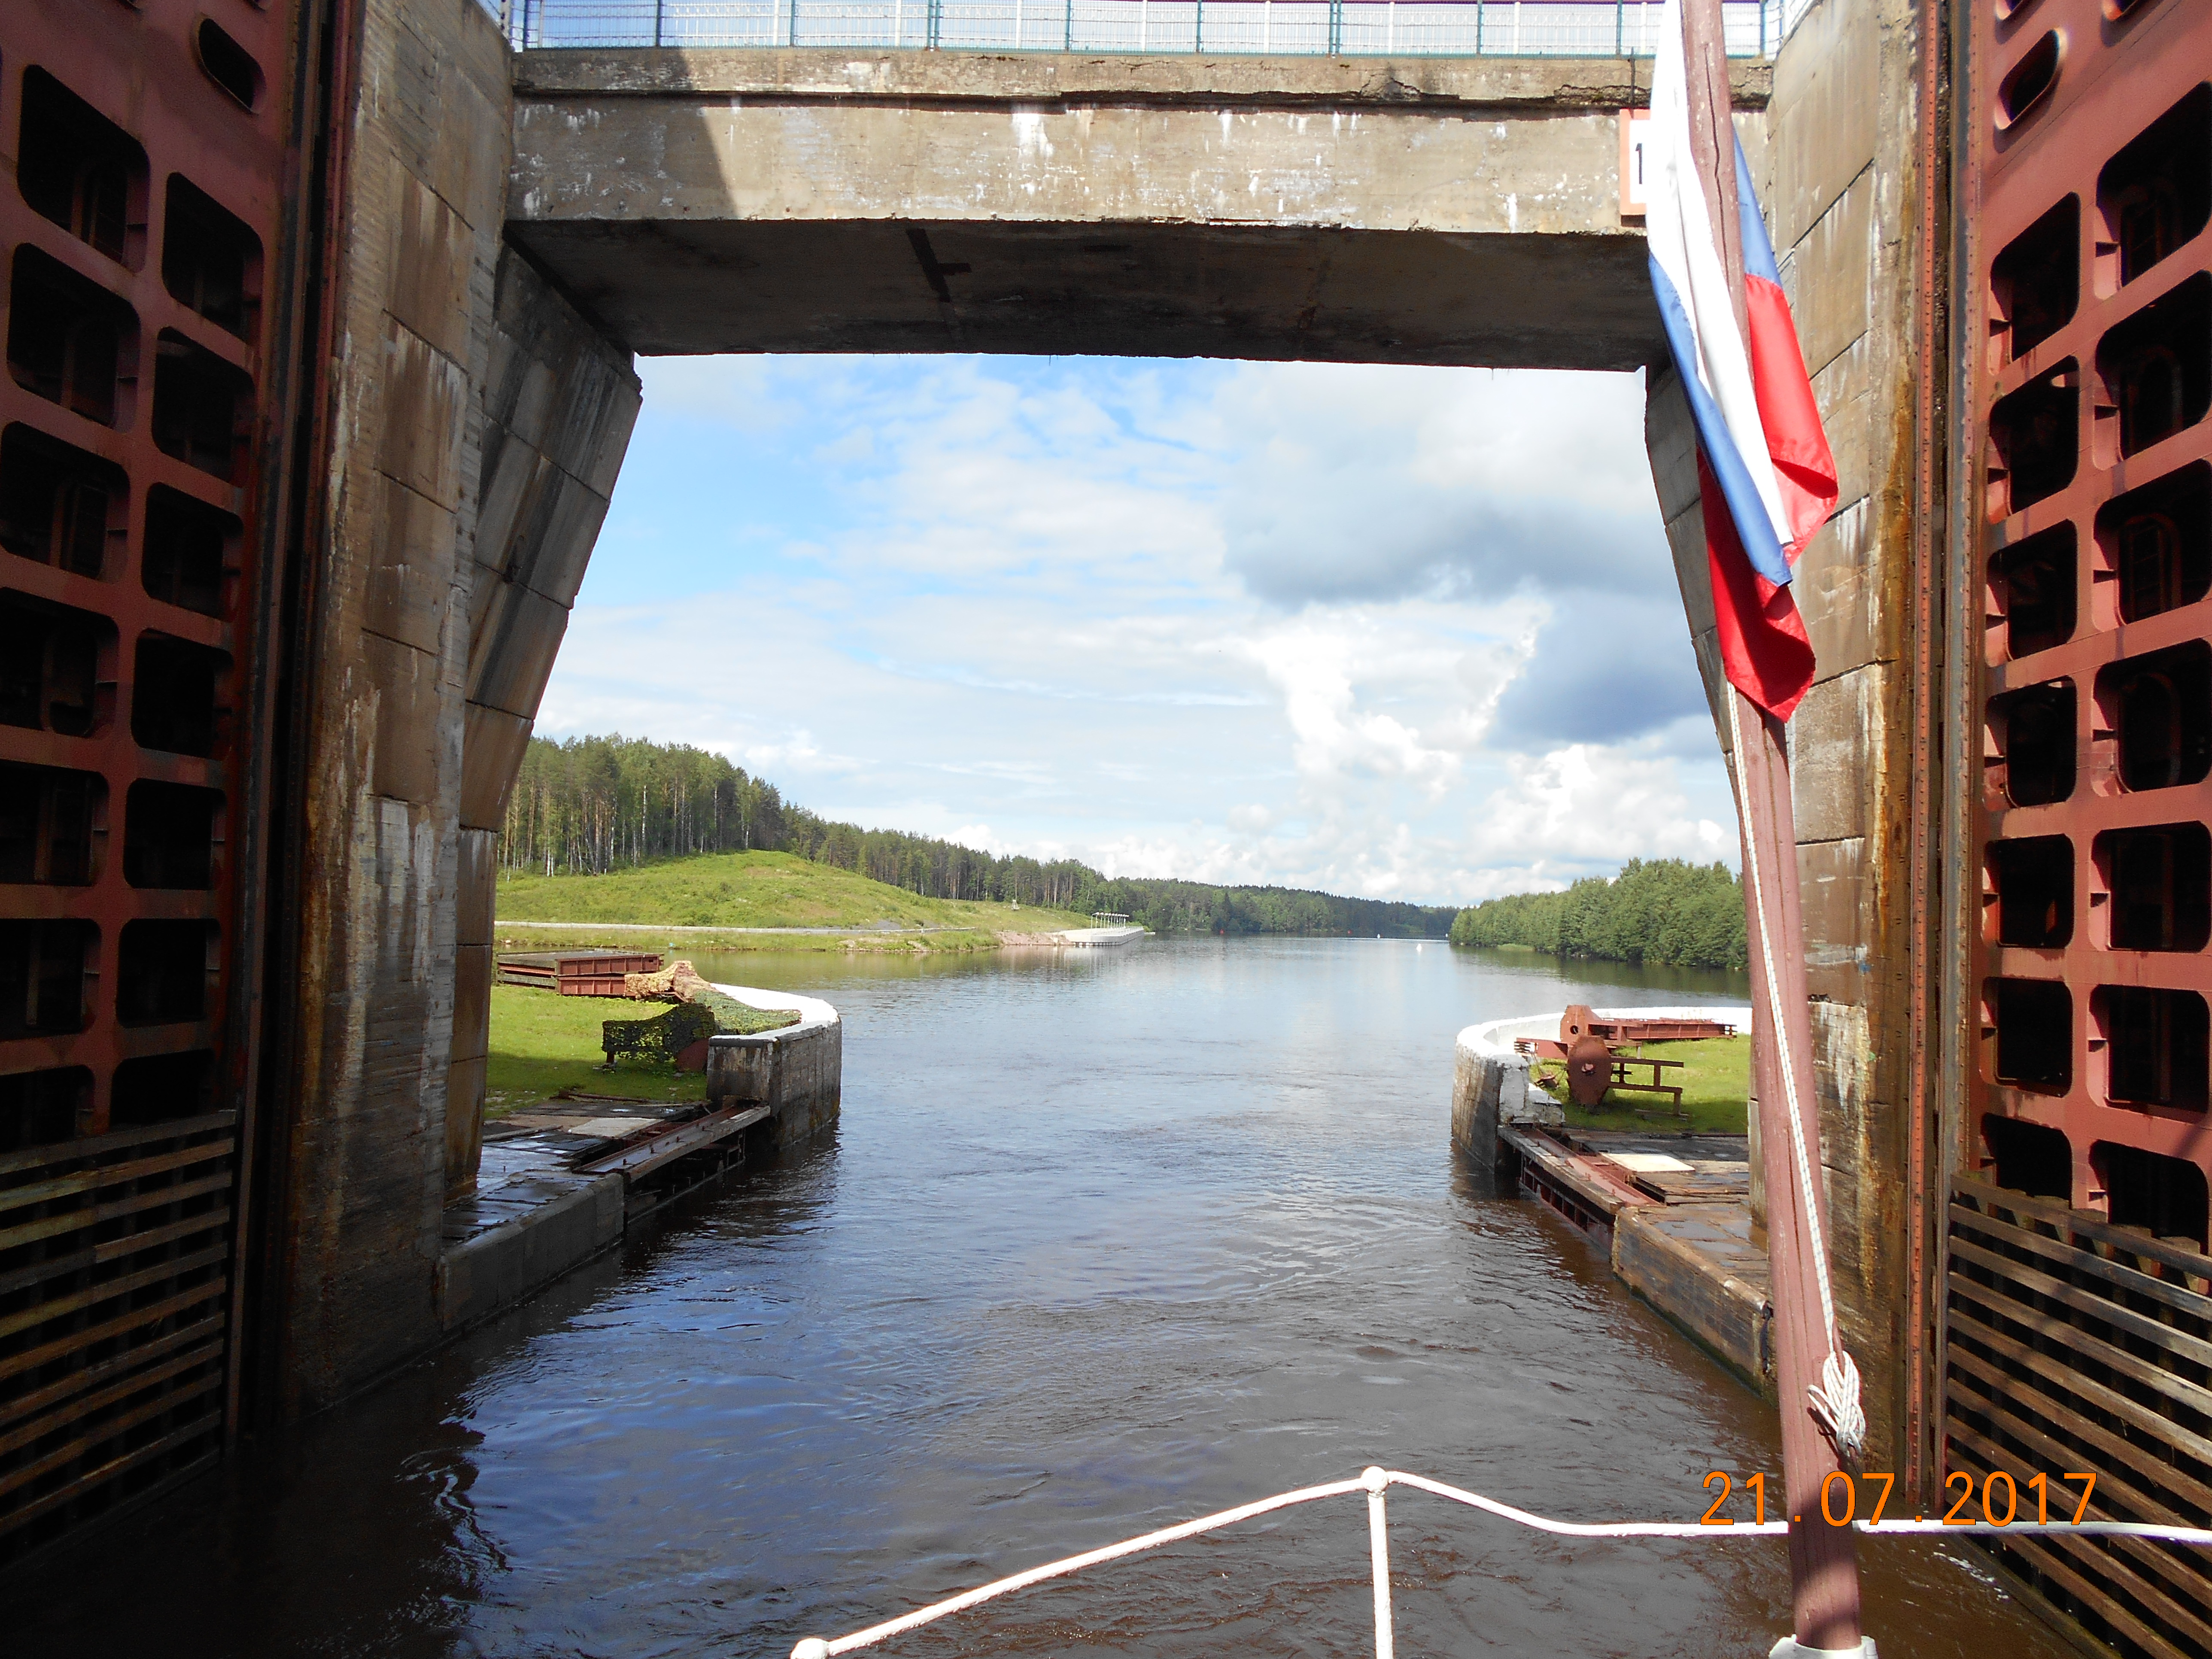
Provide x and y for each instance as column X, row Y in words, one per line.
column 659, row 1039
column 700, row 1011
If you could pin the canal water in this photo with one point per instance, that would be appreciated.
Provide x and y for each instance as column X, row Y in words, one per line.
column 1104, row 1240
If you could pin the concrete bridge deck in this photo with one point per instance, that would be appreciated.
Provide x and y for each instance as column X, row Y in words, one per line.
column 1453, row 212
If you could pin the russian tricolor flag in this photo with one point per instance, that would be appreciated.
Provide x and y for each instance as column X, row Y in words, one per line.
column 1761, row 450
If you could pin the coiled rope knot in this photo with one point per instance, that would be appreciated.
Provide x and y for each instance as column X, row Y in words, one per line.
column 1835, row 1404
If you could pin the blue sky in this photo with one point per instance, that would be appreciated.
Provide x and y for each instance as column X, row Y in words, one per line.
column 1402, row 632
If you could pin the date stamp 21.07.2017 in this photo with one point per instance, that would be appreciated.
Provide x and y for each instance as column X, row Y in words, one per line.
column 1839, row 1498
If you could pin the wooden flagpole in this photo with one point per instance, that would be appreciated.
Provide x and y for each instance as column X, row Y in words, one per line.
column 1823, row 1559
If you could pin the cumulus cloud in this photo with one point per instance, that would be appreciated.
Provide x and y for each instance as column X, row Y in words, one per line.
column 1605, row 668
column 1380, row 482
column 1332, row 736
column 1588, row 805
column 1397, row 632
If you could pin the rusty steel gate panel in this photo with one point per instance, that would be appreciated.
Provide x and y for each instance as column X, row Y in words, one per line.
column 2075, row 1345
column 2078, row 1330
column 134, row 233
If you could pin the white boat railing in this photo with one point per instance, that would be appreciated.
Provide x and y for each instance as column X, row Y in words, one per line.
column 1375, row 1482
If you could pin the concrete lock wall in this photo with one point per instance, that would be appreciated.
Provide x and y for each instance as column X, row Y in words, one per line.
column 477, row 422
column 1841, row 185
column 559, row 401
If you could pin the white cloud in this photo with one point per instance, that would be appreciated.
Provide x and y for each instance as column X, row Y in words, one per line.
column 1332, row 739
column 1588, row 804
column 740, row 392
column 1406, row 633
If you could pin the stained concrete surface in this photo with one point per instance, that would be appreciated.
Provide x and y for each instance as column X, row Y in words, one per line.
column 1454, row 211
column 1684, row 1241
column 1705, row 1266
column 552, row 1191
column 531, row 1218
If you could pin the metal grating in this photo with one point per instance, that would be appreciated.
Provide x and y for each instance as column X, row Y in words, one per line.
column 2074, row 1344
column 137, row 232
column 2088, row 445
column 115, row 1286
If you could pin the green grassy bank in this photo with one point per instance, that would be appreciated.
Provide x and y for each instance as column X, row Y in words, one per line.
column 754, row 889
column 543, row 1043
column 1716, row 1083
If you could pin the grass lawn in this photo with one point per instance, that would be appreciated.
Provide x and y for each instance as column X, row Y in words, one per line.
column 754, row 889
column 1716, row 1082
column 543, row 1043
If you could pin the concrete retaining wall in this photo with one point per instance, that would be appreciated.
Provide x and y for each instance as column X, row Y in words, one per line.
column 797, row 1073
column 1841, row 178
column 557, row 405
column 361, row 1159
column 503, row 1264
column 1491, row 1085
column 1676, row 1260
column 572, row 1217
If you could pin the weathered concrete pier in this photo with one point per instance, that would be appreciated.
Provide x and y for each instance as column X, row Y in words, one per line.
column 792, row 1075
column 542, row 1207
column 1674, row 1213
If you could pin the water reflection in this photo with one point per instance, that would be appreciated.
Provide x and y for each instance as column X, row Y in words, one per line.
column 1104, row 1241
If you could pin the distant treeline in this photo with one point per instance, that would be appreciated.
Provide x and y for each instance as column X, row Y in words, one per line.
column 1690, row 915
column 588, row 804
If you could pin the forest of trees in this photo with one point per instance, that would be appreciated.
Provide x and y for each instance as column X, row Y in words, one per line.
column 1690, row 915
column 586, row 805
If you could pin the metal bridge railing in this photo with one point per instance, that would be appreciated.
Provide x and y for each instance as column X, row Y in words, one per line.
column 1403, row 29
column 1375, row 1482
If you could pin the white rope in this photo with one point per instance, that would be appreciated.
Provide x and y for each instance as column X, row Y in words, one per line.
column 1373, row 1483
column 1835, row 1399
column 875, row 1633
column 1586, row 1528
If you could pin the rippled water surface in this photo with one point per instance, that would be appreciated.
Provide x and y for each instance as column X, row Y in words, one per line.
column 1104, row 1241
